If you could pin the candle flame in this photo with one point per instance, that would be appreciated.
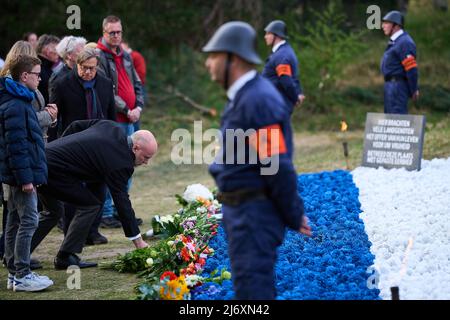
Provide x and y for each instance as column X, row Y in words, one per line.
column 405, row 258
column 404, row 267
column 344, row 126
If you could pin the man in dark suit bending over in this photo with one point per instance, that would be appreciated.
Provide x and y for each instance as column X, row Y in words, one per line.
column 90, row 156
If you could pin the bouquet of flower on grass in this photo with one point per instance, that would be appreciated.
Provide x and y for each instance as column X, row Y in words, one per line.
column 181, row 250
column 199, row 213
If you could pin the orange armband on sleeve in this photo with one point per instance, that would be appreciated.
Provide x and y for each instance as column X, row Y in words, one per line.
column 268, row 141
column 284, row 70
column 409, row 63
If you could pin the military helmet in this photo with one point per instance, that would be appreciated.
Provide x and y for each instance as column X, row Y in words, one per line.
column 278, row 28
column 395, row 17
column 235, row 37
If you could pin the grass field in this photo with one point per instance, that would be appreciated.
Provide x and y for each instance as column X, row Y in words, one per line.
column 153, row 193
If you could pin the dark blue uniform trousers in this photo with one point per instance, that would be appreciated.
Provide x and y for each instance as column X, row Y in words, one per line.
column 396, row 96
column 254, row 231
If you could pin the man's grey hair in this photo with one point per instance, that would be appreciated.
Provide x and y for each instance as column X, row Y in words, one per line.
column 110, row 19
column 87, row 54
column 68, row 44
column 44, row 41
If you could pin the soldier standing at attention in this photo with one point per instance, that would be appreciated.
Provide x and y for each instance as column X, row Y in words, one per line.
column 399, row 66
column 282, row 65
column 257, row 205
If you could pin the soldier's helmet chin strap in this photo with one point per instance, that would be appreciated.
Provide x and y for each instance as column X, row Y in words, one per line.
column 392, row 29
column 226, row 82
column 273, row 40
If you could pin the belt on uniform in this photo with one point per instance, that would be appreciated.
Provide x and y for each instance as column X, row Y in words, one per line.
column 237, row 197
column 394, row 78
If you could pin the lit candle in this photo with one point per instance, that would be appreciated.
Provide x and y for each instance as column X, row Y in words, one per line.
column 344, row 128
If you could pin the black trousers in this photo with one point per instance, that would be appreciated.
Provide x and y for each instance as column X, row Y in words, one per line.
column 77, row 230
column 69, row 213
column 88, row 200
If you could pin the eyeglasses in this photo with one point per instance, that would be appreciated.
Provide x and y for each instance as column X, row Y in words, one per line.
column 88, row 68
column 37, row 74
column 114, row 33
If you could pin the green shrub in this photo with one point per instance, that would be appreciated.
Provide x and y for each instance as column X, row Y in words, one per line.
column 328, row 46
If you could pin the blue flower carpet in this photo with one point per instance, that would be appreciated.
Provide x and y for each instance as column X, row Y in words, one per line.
column 333, row 264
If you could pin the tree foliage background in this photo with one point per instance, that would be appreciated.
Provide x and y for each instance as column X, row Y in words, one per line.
column 330, row 37
column 159, row 25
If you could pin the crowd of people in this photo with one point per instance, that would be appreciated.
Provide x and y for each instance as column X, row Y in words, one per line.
column 70, row 138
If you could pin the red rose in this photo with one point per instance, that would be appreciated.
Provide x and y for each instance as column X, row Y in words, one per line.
column 170, row 274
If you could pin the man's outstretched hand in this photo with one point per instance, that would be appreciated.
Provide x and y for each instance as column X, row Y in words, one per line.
column 305, row 228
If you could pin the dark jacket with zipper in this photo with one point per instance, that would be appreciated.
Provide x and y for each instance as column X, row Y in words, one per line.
column 22, row 153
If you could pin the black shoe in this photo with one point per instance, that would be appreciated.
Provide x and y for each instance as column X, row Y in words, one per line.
column 95, row 239
column 35, row 264
column 110, row 223
column 139, row 221
column 72, row 260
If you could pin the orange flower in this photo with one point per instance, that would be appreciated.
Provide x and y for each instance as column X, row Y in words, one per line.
column 204, row 202
column 185, row 254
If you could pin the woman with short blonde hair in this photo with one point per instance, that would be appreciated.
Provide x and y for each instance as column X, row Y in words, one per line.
column 19, row 48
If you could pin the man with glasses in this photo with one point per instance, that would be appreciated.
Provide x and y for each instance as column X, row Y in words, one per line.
column 84, row 94
column 68, row 50
column 23, row 167
column 128, row 93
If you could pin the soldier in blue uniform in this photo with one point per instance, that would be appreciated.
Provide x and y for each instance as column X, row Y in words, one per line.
column 399, row 66
column 282, row 65
column 257, row 205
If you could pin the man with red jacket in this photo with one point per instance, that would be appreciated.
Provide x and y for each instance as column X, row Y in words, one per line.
column 141, row 69
column 128, row 93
